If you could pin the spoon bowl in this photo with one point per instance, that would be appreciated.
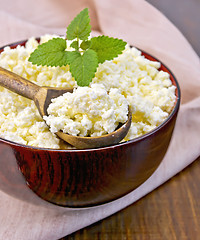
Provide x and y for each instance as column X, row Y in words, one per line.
column 42, row 97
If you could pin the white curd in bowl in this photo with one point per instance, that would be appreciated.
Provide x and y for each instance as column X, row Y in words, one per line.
column 128, row 80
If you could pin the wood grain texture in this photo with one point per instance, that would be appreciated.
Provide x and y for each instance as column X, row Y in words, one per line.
column 40, row 95
column 18, row 84
column 171, row 212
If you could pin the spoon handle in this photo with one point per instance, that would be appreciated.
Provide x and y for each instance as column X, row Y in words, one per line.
column 18, row 84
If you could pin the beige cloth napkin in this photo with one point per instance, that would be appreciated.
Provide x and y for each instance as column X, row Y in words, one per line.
column 24, row 216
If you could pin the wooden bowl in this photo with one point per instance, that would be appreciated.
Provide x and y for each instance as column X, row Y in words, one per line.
column 85, row 178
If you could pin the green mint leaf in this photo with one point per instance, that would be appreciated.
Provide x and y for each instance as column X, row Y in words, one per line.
column 83, row 67
column 107, row 48
column 80, row 26
column 51, row 53
column 83, row 62
column 85, row 45
column 75, row 45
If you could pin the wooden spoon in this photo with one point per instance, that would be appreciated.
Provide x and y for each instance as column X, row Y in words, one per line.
column 42, row 97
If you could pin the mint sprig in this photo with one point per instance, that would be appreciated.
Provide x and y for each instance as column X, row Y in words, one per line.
column 87, row 54
column 51, row 53
column 83, row 66
column 107, row 48
column 80, row 26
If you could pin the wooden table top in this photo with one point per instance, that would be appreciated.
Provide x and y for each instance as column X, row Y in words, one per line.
column 172, row 211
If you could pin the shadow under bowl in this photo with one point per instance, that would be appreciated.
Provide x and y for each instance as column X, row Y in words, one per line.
column 91, row 177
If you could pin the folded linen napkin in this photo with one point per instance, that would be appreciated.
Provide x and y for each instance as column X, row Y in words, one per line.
column 23, row 215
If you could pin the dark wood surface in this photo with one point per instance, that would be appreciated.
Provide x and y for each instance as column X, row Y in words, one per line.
column 172, row 211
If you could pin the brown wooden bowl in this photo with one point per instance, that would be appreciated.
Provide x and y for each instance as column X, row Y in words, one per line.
column 85, row 178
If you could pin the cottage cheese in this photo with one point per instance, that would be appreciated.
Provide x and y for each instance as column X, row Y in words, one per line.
column 88, row 111
column 130, row 79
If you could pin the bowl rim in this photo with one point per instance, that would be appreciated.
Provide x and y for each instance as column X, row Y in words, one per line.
column 121, row 144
